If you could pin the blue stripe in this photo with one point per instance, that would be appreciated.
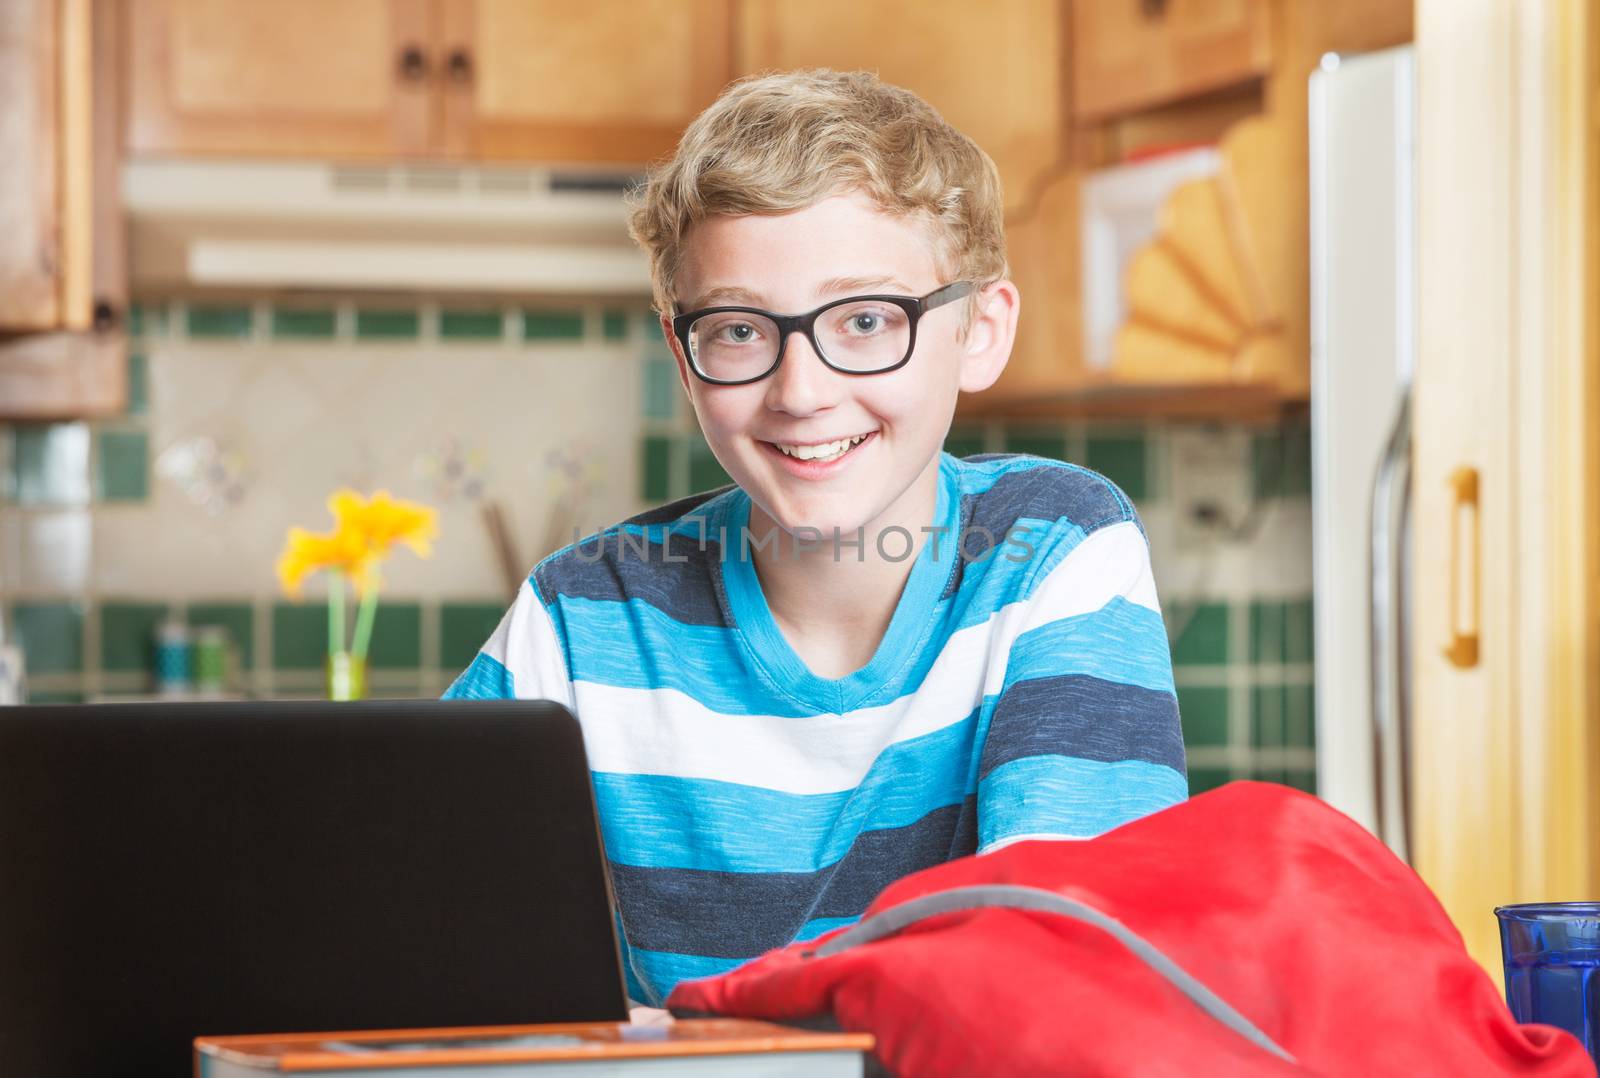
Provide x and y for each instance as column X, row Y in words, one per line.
column 1086, row 718
column 485, row 679
column 1068, row 796
column 660, row 971
column 660, row 821
column 1122, row 642
column 633, row 645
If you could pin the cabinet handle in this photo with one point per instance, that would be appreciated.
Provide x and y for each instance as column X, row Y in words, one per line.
column 459, row 65
column 1153, row 9
column 413, row 66
column 1462, row 650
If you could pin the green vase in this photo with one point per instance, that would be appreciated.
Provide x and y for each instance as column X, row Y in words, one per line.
column 347, row 676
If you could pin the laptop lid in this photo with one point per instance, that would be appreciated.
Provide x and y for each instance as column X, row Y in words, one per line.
column 173, row 870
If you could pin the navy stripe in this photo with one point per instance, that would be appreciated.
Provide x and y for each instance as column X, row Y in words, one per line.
column 744, row 914
column 1049, row 491
column 616, row 566
column 1085, row 717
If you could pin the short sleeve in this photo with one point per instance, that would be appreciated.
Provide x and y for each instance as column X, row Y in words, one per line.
column 523, row 658
column 1084, row 735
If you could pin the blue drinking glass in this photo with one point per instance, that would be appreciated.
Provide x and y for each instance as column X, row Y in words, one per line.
column 1552, row 957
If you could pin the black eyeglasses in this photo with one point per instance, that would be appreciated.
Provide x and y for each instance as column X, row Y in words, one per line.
column 733, row 346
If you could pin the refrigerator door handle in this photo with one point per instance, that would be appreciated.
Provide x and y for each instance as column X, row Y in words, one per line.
column 1383, row 578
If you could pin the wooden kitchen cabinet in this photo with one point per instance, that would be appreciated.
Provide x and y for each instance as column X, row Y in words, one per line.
column 532, row 80
column 1135, row 54
column 996, row 71
column 309, row 78
column 63, row 284
column 542, row 80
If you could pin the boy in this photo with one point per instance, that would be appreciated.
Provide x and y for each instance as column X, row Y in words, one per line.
column 866, row 657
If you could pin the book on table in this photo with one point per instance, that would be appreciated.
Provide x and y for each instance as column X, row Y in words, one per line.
column 692, row 1046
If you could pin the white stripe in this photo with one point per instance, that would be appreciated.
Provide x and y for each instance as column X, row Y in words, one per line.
column 1001, row 844
column 667, row 732
column 525, row 643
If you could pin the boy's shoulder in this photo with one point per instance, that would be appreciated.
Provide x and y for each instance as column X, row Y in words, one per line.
column 999, row 490
column 661, row 555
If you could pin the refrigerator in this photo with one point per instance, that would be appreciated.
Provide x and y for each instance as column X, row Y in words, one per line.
column 1362, row 170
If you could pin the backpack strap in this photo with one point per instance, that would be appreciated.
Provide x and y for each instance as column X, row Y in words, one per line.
column 1037, row 899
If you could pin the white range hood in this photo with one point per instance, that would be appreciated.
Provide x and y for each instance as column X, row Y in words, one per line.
column 443, row 228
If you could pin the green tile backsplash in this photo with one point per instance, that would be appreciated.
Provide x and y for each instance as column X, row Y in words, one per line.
column 463, row 628
column 1122, row 460
column 1205, row 714
column 396, row 637
column 123, row 474
column 138, row 383
column 205, row 321
column 614, row 325
column 237, row 618
column 304, row 323
column 471, row 325
column 1202, row 639
column 539, row 325
column 655, row 468
column 128, row 634
column 300, row 635
column 49, row 464
column 51, row 635
column 387, row 324
column 1041, row 443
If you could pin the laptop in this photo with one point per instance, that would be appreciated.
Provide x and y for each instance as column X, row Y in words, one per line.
column 169, row 870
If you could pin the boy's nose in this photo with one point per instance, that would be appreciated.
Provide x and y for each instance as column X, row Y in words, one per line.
column 802, row 385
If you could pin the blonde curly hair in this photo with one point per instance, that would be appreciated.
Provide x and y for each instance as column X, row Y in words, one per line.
column 779, row 142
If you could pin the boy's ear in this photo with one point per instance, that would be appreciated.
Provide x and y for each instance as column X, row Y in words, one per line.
column 677, row 352
column 990, row 336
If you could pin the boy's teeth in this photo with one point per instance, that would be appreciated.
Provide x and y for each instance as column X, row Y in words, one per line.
column 825, row 451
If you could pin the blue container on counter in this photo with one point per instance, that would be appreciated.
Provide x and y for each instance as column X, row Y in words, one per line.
column 1552, row 958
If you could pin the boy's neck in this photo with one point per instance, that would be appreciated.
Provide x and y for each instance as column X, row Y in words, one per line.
column 834, row 604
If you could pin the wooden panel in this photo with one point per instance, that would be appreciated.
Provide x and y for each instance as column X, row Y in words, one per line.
column 1131, row 54
column 1011, row 100
column 47, row 376
column 289, row 78
column 109, row 272
column 29, row 206
column 75, row 154
column 1465, row 797
column 1045, row 263
column 547, row 81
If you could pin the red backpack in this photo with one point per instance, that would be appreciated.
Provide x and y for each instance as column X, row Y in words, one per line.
column 1252, row 930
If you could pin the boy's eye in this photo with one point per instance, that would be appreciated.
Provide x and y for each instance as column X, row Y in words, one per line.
column 734, row 333
column 866, row 320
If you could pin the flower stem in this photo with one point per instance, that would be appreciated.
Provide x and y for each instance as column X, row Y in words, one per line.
column 365, row 616
column 335, row 613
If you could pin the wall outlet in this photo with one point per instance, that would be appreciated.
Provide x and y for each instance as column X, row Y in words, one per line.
column 1213, row 484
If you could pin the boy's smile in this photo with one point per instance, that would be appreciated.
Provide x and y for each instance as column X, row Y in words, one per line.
column 812, row 446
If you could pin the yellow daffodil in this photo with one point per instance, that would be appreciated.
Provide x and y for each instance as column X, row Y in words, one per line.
column 383, row 520
column 309, row 552
column 365, row 530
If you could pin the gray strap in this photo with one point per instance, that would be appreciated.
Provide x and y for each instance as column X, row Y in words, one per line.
column 1017, row 897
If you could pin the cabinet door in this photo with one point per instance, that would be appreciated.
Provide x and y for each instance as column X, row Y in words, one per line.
column 995, row 70
column 544, row 80
column 308, row 78
column 30, row 298
column 1132, row 54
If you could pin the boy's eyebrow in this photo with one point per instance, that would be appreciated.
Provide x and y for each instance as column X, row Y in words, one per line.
column 730, row 294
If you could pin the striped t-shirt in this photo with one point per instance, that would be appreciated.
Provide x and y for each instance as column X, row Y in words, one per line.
column 1023, row 689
